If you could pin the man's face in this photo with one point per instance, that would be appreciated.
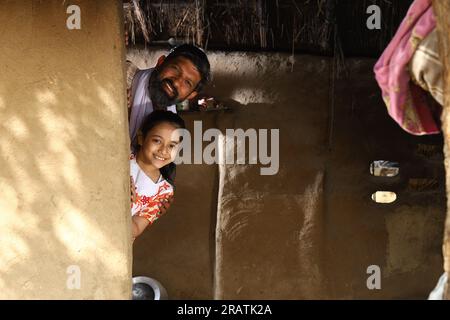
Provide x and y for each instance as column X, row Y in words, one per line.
column 174, row 81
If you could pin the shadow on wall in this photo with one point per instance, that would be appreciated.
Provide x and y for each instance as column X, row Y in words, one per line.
column 250, row 77
column 53, row 199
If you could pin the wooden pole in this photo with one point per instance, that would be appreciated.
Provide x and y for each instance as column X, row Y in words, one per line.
column 442, row 11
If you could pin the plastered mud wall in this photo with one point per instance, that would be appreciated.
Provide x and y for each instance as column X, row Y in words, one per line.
column 64, row 173
column 403, row 238
column 312, row 230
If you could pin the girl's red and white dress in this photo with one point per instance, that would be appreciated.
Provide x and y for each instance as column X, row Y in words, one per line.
column 149, row 195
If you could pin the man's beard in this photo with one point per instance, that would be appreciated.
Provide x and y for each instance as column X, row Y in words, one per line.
column 159, row 97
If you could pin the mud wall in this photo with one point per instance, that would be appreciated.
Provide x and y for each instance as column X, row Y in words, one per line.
column 403, row 238
column 65, row 224
column 311, row 230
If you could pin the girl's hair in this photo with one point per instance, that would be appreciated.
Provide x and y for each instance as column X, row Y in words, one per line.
column 153, row 119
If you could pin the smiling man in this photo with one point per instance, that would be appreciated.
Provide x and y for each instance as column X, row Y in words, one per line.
column 175, row 78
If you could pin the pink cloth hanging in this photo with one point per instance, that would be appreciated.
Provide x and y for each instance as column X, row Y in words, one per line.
column 405, row 100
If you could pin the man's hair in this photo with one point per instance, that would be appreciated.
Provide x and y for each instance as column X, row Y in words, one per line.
column 198, row 57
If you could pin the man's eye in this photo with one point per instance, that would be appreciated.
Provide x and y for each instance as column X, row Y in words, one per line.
column 172, row 146
column 188, row 83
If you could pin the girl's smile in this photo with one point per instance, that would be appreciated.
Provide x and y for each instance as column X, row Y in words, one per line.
column 159, row 158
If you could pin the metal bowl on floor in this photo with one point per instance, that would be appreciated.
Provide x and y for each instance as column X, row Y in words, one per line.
column 145, row 288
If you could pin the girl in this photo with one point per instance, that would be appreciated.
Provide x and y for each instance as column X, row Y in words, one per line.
column 152, row 168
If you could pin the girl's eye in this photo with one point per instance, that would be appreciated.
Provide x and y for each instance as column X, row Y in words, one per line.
column 172, row 146
column 156, row 141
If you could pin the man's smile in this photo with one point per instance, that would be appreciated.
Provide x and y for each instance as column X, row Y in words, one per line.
column 169, row 88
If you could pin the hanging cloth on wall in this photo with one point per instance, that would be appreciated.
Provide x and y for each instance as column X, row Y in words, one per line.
column 406, row 101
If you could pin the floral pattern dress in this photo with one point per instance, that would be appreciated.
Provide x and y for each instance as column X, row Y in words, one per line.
column 148, row 194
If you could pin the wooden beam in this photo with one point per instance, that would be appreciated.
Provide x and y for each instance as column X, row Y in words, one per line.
column 442, row 11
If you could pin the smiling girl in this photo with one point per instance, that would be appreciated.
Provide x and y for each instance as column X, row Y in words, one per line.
column 152, row 168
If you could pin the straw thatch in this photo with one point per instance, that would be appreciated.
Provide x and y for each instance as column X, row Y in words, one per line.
column 325, row 27
column 246, row 24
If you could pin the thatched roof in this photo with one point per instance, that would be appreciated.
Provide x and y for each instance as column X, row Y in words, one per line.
column 301, row 26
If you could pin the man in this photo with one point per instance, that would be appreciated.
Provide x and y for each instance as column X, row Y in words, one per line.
column 179, row 76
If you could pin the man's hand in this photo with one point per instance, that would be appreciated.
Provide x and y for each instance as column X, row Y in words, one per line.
column 133, row 190
column 128, row 90
column 129, row 98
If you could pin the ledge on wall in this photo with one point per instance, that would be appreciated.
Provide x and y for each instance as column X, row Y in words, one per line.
column 202, row 104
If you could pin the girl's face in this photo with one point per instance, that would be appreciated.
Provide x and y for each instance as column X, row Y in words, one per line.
column 160, row 145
